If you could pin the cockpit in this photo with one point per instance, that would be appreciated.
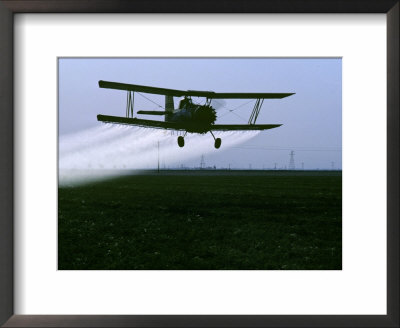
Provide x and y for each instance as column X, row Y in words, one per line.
column 186, row 102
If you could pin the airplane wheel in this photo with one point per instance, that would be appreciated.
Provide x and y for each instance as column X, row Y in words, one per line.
column 181, row 141
column 217, row 143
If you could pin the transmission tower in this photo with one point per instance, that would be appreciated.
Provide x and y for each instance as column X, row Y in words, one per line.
column 202, row 162
column 291, row 162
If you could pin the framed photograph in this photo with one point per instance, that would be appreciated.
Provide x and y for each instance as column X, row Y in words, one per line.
column 189, row 169
column 193, row 178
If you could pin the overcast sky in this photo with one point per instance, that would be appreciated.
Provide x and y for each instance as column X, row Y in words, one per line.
column 312, row 118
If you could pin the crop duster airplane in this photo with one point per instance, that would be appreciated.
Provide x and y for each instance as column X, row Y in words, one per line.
column 188, row 117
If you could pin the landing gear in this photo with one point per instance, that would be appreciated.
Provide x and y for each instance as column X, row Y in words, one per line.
column 181, row 141
column 217, row 142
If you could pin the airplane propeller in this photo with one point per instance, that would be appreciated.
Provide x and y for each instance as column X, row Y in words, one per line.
column 218, row 103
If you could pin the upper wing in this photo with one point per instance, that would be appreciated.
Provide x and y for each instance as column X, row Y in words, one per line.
column 181, row 93
column 140, row 122
column 246, row 95
column 243, row 127
column 141, row 88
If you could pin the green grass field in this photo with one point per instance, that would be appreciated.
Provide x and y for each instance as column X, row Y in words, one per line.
column 191, row 220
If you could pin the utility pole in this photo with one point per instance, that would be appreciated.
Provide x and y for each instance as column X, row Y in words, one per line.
column 158, row 156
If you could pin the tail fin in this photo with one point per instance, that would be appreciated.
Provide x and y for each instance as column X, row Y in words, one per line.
column 151, row 112
column 169, row 106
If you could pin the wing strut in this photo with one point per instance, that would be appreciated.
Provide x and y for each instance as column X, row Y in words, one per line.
column 129, row 103
column 256, row 111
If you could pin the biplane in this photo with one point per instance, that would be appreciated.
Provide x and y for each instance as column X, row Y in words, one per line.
column 189, row 117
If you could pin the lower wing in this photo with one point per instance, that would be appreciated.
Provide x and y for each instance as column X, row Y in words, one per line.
column 243, row 127
column 142, row 123
column 181, row 126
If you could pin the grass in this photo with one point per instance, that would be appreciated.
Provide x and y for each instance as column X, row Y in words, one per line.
column 194, row 220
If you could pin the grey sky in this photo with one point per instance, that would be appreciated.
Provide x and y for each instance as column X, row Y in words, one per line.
column 312, row 118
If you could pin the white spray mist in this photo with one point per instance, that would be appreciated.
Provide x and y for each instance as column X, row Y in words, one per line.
column 111, row 150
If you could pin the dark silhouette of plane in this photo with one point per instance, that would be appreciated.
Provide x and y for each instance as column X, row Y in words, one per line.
column 188, row 117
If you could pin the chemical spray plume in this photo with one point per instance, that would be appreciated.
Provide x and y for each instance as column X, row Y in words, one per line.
column 112, row 150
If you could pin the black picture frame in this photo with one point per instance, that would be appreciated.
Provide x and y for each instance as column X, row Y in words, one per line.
column 7, row 10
